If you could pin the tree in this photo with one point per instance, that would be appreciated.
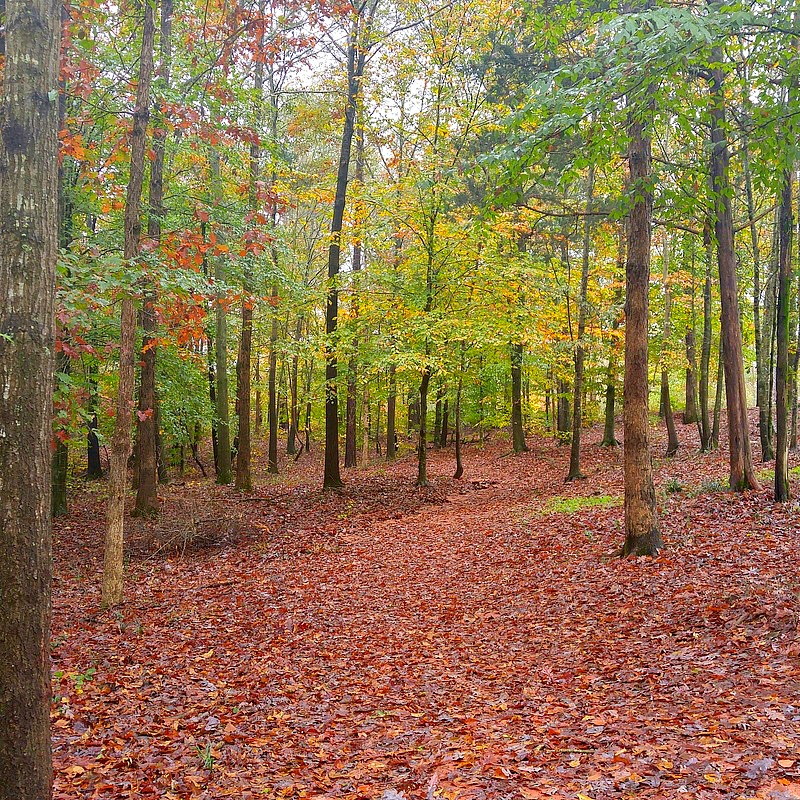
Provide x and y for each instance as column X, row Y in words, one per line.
column 742, row 474
column 121, row 443
column 357, row 51
column 28, row 251
column 642, row 535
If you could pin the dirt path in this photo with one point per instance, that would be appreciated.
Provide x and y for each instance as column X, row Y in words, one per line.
column 484, row 647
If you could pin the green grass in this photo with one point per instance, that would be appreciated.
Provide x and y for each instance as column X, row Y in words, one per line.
column 571, row 505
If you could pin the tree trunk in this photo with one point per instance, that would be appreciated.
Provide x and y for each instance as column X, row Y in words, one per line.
column 244, row 479
column 445, row 424
column 272, row 391
column 642, row 535
column 457, row 430
column 690, row 415
column 714, row 444
column 517, row 426
column 121, row 440
column 391, row 410
column 258, row 416
column 437, row 416
column 94, row 467
column 294, row 410
column 742, row 474
column 782, row 354
column 28, row 253
column 666, row 401
column 705, row 349
column 580, row 348
column 563, row 417
column 357, row 51
column 147, row 418
column 58, row 500
column 422, row 444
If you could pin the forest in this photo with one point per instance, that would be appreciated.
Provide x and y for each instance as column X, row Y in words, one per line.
column 399, row 399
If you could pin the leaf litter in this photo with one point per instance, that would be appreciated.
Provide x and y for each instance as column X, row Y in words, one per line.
column 464, row 641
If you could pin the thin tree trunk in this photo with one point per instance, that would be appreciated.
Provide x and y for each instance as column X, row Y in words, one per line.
column 437, row 416
column 782, row 356
column 720, row 385
column 422, row 444
column 391, row 410
column 121, row 441
column 742, row 474
column 221, row 397
column 147, row 418
column 642, row 535
column 580, row 348
column 690, row 414
column 357, row 51
column 457, row 430
column 517, row 426
column 705, row 348
column 94, row 467
column 28, row 253
column 258, row 416
column 443, row 433
column 58, row 501
column 272, row 392
column 666, row 401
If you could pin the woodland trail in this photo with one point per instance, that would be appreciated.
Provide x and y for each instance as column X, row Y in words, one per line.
column 488, row 646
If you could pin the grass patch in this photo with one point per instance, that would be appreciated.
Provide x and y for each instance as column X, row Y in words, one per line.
column 571, row 505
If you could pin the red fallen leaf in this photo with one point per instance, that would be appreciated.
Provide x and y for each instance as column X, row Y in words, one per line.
column 143, row 415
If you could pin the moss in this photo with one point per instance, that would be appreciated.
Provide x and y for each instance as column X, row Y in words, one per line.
column 571, row 505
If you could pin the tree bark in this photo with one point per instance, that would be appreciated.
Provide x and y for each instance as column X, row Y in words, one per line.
column 742, row 474
column 580, row 348
column 666, row 401
column 782, row 352
column 705, row 349
column 357, row 50
column 147, row 418
column 642, row 535
column 457, row 429
column 28, row 253
column 391, row 410
column 224, row 464
column 517, row 426
column 112, row 587
column 719, row 386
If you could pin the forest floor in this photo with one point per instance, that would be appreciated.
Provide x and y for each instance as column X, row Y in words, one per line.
column 474, row 639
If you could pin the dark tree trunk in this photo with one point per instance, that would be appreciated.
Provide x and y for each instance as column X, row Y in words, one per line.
column 357, row 51
column 563, row 416
column 642, row 535
column 222, row 410
column 580, row 349
column 294, row 407
column 437, row 416
column 609, row 434
column 391, row 409
column 666, row 401
column 244, row 480
column 94, row 467
column 121, row 440
column 719, row 386
column 422, row 445
column 742, row 474
column 690, row 415
column 457, row 431
column 147, row 418
column 705, row 349
column 444, row 431
column 517, row 427
column 28, row 252
column 58, row 502
column 350, row 417
column 258, row 414
column 782, row 353
column 272, row 391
